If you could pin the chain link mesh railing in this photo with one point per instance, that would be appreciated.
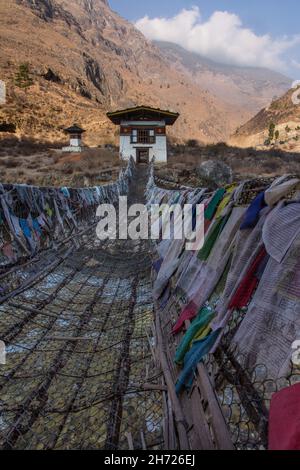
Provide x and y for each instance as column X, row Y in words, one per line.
column 80, row 370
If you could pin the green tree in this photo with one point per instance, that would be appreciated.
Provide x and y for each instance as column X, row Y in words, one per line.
column 276, row 134
column 23, row 77
column 271, row 131
column 192, row 143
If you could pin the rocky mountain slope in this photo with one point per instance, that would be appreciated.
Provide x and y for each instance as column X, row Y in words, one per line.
column 282, row 117
column 84, row 60
column 249, row 88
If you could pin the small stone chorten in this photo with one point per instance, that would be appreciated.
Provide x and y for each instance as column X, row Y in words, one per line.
column 75, row 132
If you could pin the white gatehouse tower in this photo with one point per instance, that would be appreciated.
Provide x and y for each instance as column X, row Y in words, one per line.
column 143, row 133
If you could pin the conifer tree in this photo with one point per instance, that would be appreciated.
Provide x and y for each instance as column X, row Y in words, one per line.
column 271, row 131
column 23, row 77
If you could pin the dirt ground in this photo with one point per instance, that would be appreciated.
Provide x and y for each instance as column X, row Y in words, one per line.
column 246, row 164
column 43, row 165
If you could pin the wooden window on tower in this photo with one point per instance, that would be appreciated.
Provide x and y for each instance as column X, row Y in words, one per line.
column 143, row 136
column 152, row 136
column 134, row 136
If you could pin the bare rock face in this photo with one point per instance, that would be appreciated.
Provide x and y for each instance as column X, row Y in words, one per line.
column 51, row 76
column 215, row 172
column 95, row 74
column 43, row 8
column 86, row 60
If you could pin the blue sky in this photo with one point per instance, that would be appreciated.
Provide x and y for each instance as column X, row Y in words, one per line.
column 263, row 32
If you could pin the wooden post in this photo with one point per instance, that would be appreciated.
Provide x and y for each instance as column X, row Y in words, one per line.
column 178, row 414
column 130, row 440
column 219, row 424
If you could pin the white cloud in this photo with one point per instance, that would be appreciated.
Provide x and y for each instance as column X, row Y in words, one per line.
column 222, row 38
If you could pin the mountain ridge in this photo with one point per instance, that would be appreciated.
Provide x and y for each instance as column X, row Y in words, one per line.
column 89, row 51
column 86, row 60
column 248, row 87
column 283, row 114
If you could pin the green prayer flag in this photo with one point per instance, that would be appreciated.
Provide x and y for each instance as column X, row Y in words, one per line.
column 213, row 205
column 212, row 238
column 203, row 319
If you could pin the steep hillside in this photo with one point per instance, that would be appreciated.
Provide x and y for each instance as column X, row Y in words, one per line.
column 246, row 87
column 284, row 113
column 86, row 60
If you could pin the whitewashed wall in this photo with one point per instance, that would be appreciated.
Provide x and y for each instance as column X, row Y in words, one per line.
column 75, row 142
column 157, row 150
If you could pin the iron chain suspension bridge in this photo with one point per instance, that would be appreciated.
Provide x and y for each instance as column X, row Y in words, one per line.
column 80, row 369
column 89, row 345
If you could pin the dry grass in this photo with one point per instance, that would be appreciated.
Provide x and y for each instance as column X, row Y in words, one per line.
column 245, row 163
column 38, row 164
column 28, row 163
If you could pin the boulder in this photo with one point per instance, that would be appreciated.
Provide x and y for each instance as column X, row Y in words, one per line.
column 215, row 172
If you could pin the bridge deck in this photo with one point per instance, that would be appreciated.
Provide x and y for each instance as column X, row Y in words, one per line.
column 80, row 367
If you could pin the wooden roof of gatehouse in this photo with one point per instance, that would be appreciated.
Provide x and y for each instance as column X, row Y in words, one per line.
column 143, row 113
column 75, row 129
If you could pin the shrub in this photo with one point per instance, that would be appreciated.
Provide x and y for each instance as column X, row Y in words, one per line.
column 271, row 166
column 192, row 143
column 8, row 127
column 68, row 169
column 11, row 163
